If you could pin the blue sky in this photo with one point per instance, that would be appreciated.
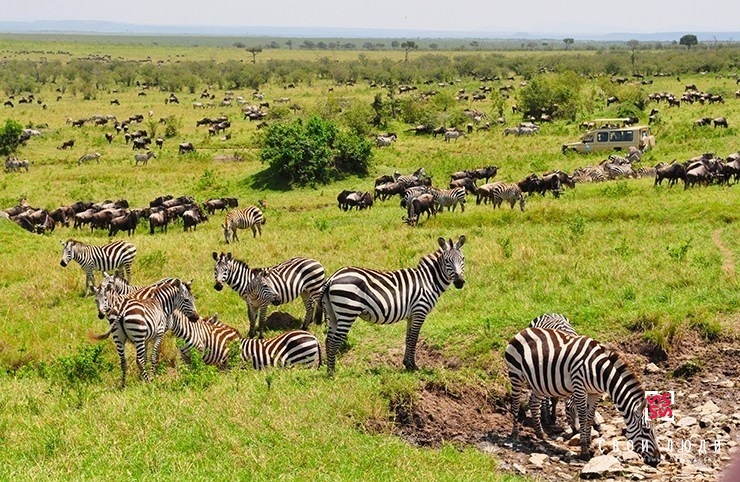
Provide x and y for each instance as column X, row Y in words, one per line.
column 571, row 17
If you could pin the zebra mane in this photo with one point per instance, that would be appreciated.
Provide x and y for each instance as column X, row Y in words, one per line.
column 619, row 360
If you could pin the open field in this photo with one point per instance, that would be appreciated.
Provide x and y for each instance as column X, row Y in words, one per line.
column 630, row 264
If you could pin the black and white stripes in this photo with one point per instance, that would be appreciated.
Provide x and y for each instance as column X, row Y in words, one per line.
column 250, row 217
column 555, row 364
column 390, row 296
column 276, row 285
column 117, row 256
column 508, row 192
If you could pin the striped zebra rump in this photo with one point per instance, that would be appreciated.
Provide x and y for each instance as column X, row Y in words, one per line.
column 287, row 349
column 250, row 217
column 509, row 192
column 450, row 198
column 555, row 364
column 386, row 297
column 116, row 256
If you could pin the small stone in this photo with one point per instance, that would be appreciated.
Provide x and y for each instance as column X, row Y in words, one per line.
column 598, row 418
column 575, row 440
column 709, row 407
column 726, row 384
column 686, row 422
column 652, row 368
column 538, row 460
column 629, row 455
column 519, row 469
column 706, row 421
column 600, row 466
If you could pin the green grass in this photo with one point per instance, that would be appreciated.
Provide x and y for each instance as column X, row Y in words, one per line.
column 615, row 258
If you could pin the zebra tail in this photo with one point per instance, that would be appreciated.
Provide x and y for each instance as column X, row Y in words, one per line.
column 324, row 306
column 96, row 337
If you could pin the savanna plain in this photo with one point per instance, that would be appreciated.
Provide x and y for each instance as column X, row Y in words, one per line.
column 645, row 269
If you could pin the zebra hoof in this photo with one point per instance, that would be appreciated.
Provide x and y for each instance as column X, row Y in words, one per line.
column 410, row 366
column 541, row 435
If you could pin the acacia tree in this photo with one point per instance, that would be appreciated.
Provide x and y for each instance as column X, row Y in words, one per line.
column 407, row 47
column 568, row 42
column 689, row 40
column 254, row 51
column 10, row 137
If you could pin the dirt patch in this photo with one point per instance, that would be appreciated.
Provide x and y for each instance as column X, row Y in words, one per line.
column 478, row 416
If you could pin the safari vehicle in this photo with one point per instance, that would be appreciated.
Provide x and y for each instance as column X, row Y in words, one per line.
column 613, row 135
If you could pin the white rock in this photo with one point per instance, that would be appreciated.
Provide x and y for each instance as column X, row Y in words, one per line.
column 709, row 407
column 652, row 368
column 598, row 418
column 538, row 460
column 686, row 422
column 601, row 465
column 519, row 469
column 726, row 384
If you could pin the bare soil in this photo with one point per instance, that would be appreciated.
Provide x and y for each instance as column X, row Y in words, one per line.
column 478, row 416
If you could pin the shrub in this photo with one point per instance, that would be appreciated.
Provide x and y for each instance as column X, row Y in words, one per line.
column 543, row 92
column 10, row 135
column 313, row 152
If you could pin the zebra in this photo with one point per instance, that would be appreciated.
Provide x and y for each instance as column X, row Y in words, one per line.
column 453, row 135
column 412, row 193
column 207, row 335
column 389, row 296
column 450, row 197
column 213, row 338
column 507, row 192
column 250, row 217
column 142, row 319
column 93, row 156
column 143, row 157
column 556, row 364
column 618, row 171
column 275, row 285
column 118, row 256
column 114, row 286
column 555, row 321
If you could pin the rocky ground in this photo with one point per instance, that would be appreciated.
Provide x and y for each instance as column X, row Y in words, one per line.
column 704, row 432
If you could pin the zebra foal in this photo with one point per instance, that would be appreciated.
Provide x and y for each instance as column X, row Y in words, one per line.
column 250, row 217
column 118, row 256
column 390, row 296
column 555, row 364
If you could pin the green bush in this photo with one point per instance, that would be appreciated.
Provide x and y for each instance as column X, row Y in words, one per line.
column 10, row 137
column 546, row 91
column 313, row 152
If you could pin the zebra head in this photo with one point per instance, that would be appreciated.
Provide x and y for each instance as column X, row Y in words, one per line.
column 68, row 252
column 452, row 261
column 185, row 302
column 104, row 298
column 260, row 291
column 642, row 434
column 222, row 270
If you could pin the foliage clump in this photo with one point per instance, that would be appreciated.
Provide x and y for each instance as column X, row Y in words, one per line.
column 556, row 94
column 10, row 137
column 314, row 152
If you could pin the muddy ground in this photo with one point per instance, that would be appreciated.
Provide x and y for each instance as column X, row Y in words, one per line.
column 707, row 407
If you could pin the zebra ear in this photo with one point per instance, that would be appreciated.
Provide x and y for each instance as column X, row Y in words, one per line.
column 215, row 256
column 228, row 255
column 442, row 242
column 460, row 242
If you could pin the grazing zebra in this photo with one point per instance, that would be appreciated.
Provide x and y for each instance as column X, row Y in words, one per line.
column 554, row 321
column 118, row 256
column 275, row 285
column 142, row 319
column 556, row 364
column 250, row 217
column 93, row 156
column 509, row 192
column 389, row 296
column 450, row 198
column 453, row 135
column 208, row 336
column 212, row 337
column 412, row 193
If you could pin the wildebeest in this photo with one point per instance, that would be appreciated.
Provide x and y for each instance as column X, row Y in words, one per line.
column 221, row 204
column 484, row 193
column 127, row 222
column 159, row 142
column 159, row 219
column 192, row 217
column 418, row 206
column 186, row 147
column 697, row 175
column 612, row 100
column 720, row 122
column 466, row 182
column 67, row 145
column 673, row 172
